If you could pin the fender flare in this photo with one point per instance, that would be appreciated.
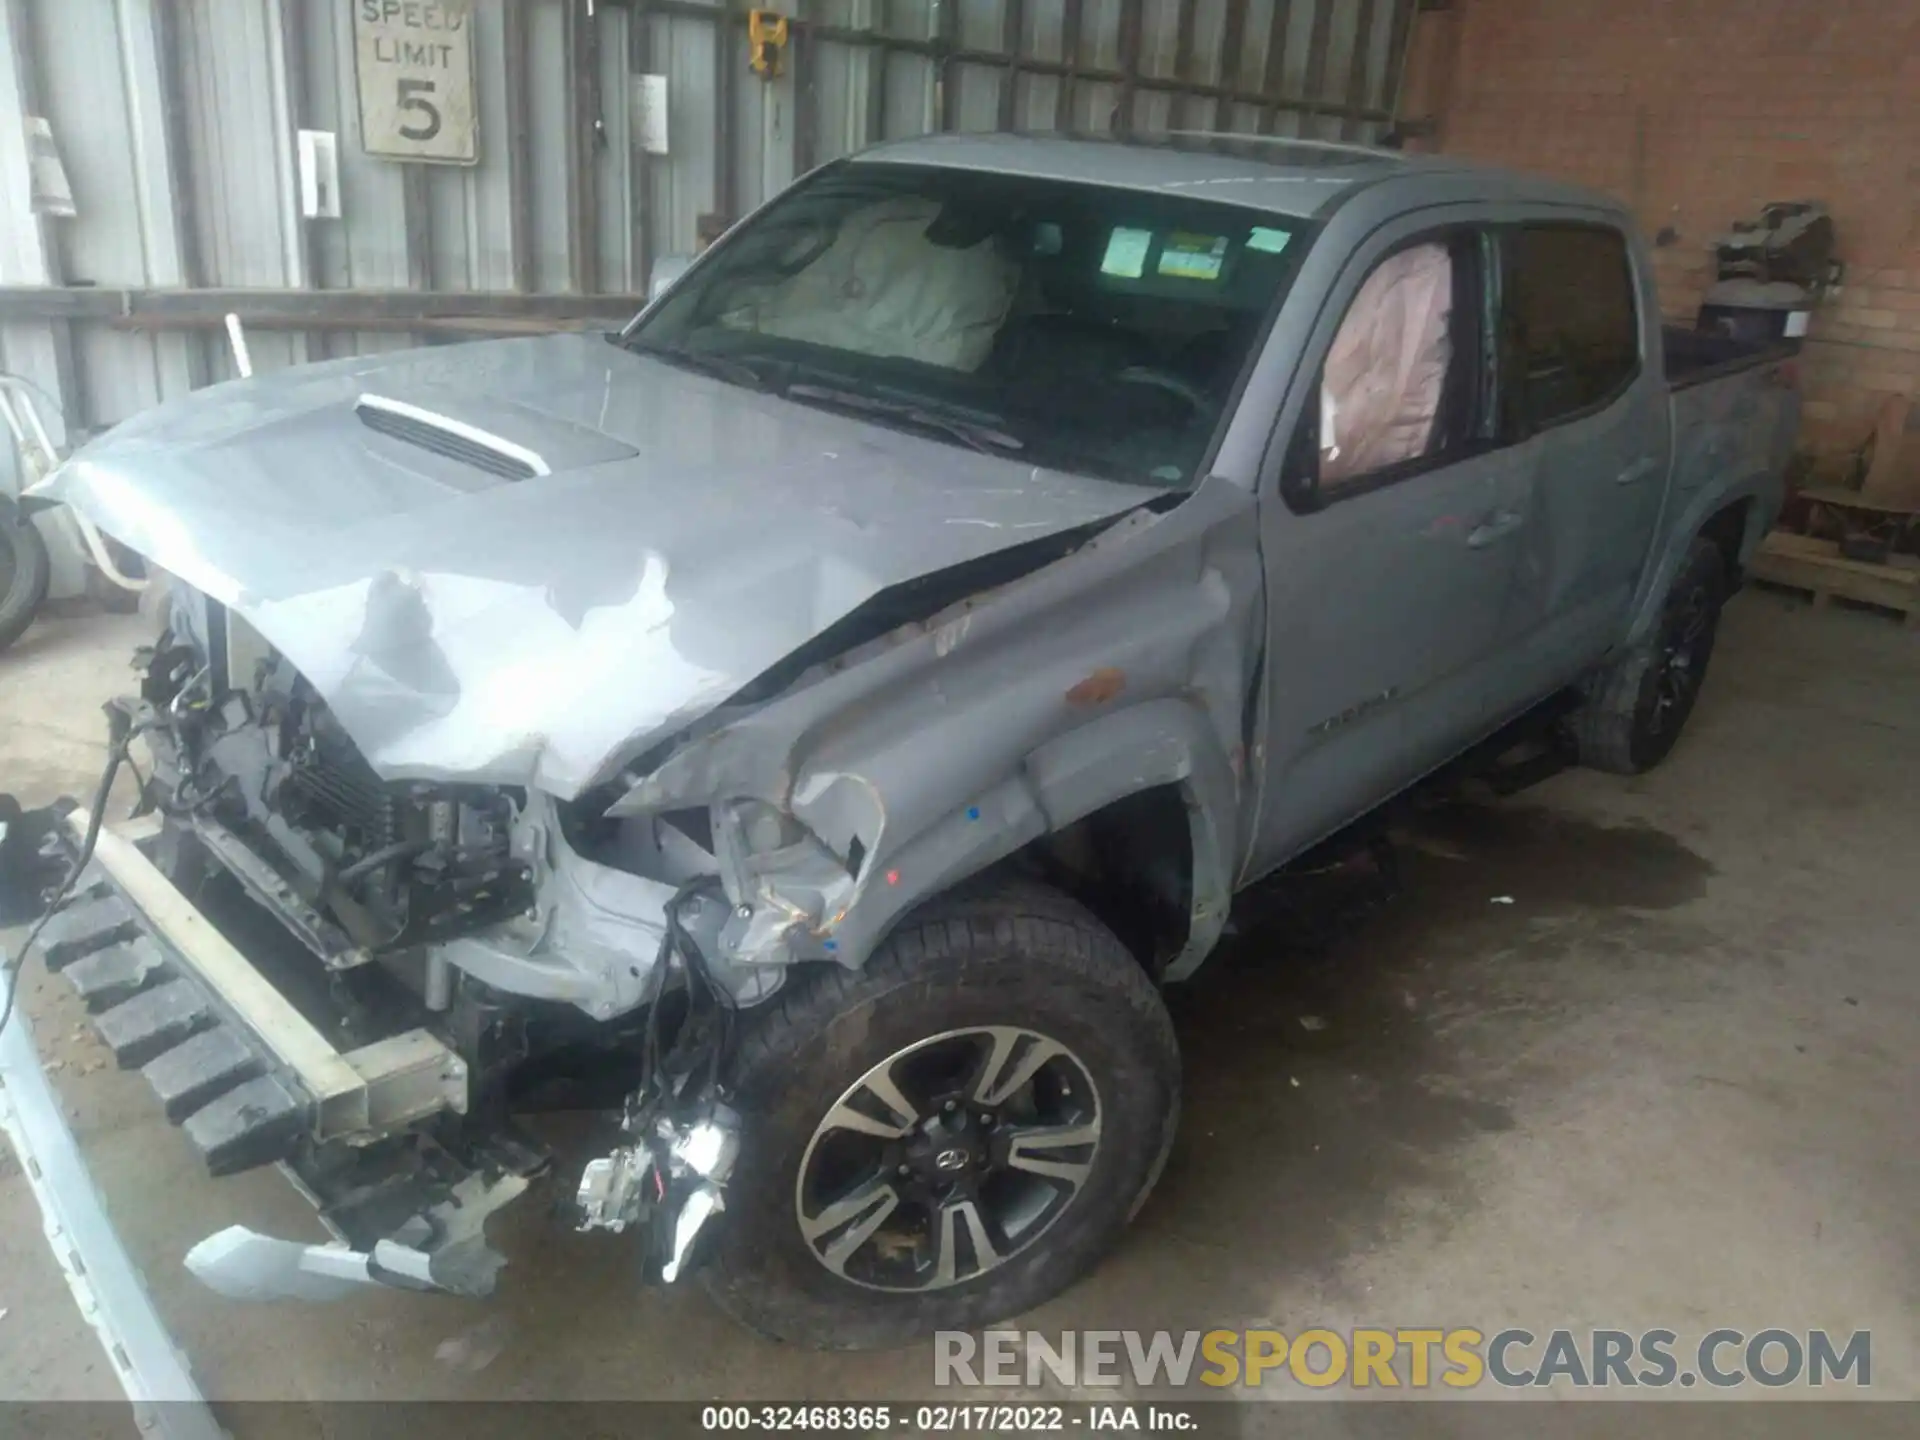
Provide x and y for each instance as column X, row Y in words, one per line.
column 1679, row 536
column 1159, row 742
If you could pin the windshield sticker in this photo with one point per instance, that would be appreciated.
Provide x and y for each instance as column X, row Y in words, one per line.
column 1126, row 254
column 1193, row 257
column 1271, row 241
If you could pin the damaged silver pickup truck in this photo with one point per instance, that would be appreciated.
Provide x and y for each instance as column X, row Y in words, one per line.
column 838, row 702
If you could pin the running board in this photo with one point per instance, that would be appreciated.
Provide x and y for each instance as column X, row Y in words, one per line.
column 234, row 1063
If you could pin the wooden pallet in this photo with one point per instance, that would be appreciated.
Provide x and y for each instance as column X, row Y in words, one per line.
column 1817, row 566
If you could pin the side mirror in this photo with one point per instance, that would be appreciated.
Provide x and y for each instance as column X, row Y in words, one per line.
column 666, row 271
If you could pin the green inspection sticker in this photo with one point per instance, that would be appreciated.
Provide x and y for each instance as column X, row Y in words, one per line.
column 1271, row 241
column 1126, row 254
column 1193, row 257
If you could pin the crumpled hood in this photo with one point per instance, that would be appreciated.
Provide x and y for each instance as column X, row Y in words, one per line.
column 462, row 624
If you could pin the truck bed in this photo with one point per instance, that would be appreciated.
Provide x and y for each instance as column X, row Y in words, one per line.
column 1735, row 409
column 1694, row 357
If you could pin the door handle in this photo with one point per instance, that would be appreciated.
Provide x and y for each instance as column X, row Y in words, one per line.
column 1499, row 523
column 1637, row 471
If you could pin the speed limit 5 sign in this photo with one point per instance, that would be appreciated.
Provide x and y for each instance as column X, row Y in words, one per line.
column 414, row 62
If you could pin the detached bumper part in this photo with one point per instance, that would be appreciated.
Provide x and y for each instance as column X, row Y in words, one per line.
column 243, row 1264
column 157, row 977
column 252, row 1082
column 449, row 1253
column 106, row 1286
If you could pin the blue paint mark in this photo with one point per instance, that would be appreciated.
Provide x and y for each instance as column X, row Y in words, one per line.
column 973, row 812
column 830, row 946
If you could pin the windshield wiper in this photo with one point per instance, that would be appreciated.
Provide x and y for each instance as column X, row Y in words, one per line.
column 722, row 367
column 975, row 434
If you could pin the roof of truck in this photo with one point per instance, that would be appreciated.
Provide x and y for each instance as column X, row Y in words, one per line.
column 1286, row 176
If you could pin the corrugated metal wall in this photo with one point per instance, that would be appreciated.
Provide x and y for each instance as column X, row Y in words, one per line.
column 175, row 122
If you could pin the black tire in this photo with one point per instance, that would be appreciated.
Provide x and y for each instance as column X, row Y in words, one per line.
column 1636, row 708
column 1015, row 954
column 24, row 571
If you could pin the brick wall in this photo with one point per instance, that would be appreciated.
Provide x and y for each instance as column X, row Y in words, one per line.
column 1698, row 111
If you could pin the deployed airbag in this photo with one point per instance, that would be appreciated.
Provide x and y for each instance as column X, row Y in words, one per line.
column 884, row 288
column 1388, row 366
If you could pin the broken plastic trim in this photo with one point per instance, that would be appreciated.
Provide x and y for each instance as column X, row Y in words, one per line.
column 106, row 1286
column 452, row 1254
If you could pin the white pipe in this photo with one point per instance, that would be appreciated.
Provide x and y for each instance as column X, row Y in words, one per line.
column 102, row 556
column 237, row 338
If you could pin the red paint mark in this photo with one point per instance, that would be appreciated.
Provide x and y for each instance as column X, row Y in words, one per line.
column 1098, row 688
column 893, row 877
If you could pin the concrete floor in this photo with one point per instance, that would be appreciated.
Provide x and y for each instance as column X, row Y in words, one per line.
column 1670, row 1084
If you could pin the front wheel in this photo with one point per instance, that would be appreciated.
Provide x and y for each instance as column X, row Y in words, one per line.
column 951, row 1135
column 1636, row 707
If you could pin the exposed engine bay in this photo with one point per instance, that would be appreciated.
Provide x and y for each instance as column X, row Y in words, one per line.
column 529, row 896
column 402, row 891
column 383, row 867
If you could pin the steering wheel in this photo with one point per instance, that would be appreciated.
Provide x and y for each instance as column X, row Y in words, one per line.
column 1165, row 380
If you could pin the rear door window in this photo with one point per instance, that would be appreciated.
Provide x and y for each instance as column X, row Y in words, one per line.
column 1569, row 323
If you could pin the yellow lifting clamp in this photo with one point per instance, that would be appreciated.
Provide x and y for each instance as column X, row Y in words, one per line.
column 766, row 38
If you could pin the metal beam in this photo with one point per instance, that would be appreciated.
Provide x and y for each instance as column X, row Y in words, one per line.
column 1013, row 28
column 806, row 106
column 726, row 59
column 519, row 148
column 876, row 124
column 1131, row 21
column 1231, row 39
column 294, row 1039
column 1031, row 65
column 1398, row 48
column 39, row 240
column 583, row 145
column 639, row 162
column 1314, row 84
column 149, row 61
column 946, row 106
column 1357, row 63
column 177, row 150
column 1185, row 23
column 1069, row 71
column 295, row 307
column 1275, row 70
column 416, row 219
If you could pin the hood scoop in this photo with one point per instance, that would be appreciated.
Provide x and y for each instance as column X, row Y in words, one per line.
column 481, row 432
column 443, row 435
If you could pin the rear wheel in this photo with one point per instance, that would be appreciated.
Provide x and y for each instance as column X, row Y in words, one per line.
column 24, row 571
column 951, row 1135
column 1636, row 708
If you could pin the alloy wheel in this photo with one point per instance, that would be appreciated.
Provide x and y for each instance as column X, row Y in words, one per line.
column 948, row 1158
column 1682, row 656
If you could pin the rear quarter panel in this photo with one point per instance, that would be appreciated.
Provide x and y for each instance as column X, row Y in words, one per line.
column 1732, row 438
